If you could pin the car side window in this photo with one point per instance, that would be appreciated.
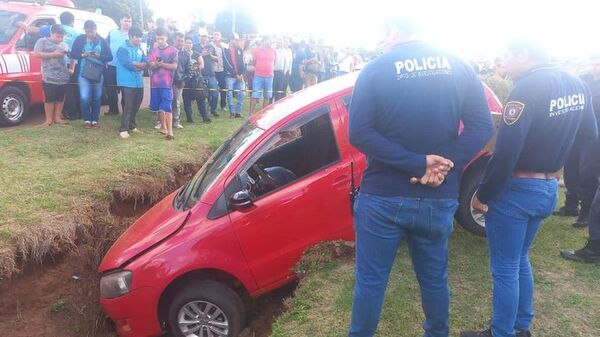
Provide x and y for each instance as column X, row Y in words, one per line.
column 295, row 151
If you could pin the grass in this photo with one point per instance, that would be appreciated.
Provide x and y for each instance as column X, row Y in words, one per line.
column 567, row 294
column 49, row 173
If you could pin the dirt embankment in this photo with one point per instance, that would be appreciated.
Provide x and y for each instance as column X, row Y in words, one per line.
column 54, row 286
column 50, row 279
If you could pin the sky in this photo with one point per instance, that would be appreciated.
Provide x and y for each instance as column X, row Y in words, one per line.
column 472, row 29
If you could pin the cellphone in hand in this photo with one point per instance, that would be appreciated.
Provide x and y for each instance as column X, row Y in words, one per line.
column 159, row 59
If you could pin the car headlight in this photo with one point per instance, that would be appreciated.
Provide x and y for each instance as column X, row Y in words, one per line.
column 115, row 284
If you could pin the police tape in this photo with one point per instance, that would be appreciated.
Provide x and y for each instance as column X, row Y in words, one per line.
column 183, row 88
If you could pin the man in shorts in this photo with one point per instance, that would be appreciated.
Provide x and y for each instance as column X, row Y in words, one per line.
column 55, row 74
column 163, row 63
column 264, row 65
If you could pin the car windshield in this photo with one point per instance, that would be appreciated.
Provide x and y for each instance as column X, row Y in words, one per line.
column 208, row 174
column 8, row 25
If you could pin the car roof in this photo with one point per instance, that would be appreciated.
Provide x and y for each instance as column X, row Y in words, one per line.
column 279, row 111
column 55, row 11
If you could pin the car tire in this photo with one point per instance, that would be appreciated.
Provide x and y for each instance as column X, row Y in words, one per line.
column 14, row 106
column 470, row 183
column 212, row 299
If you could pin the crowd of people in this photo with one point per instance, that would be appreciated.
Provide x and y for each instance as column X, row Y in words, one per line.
column 183, row 67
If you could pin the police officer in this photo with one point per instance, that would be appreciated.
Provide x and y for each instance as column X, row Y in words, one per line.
column 589, row 153
column 591, row 169
column 539, row 126
column 405, row 115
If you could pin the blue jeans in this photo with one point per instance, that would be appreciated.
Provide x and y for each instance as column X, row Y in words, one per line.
column 90, row 99
column 381, row 223
column 512, row 222
column 239, row 86
column 213, row 93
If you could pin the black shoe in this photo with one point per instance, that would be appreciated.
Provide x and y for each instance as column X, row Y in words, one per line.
column 486, row 333
column 207, row 121
column 523, row 334
column 111, row 113
column 238, row 116
column 582, row 221
column 216, row 114
column 190, row 121
column 588, row 254
column 566, row 211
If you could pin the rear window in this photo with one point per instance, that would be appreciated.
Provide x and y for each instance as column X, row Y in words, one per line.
column 8, row 25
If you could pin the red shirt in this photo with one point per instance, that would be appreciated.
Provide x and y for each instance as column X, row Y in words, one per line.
column 264, row 61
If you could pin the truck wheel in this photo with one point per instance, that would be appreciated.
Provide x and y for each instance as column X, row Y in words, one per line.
column 466, row 216
column 206, row 308
column 14, row 106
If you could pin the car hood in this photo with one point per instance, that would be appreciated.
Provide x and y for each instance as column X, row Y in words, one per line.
column 154, row 226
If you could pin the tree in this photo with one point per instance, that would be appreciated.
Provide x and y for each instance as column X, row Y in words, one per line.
column 116, row 8
column 244, row 22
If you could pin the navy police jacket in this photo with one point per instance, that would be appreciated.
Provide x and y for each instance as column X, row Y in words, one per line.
column 546, row 112
column 409, row 103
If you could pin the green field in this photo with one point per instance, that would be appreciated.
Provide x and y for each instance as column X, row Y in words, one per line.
column 567, row 294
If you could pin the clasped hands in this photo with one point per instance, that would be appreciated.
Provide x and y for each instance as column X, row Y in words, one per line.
column 436, row 171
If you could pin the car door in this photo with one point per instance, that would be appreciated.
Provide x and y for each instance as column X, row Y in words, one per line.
column 283, row 223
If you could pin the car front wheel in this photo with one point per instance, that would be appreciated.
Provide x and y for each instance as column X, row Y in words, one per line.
column 14, row 106
column 205, row 309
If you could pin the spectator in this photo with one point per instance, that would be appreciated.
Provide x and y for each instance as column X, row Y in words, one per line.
column 233, row 60
column 55, row 75
column 347, row 62
column 283, row 68
column 163, row 63
column 297, row 81
column 116, row 39
column 262, row 84
column 131, row 63
column 219, row 70
column 148, row 38
column 67, row 20
column 209, row 56
column 311, row 72
column 195, row 88
column 183, row 69
column 249, row 63
column 91, row 47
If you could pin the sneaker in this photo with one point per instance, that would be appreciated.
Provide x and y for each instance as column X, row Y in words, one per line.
column 136, row 130
column 157, row 126
column 95, row 125
column 169, row 137
column 486, row 333
column 587, row 254
column 87, row 125
column 566, row 211
column 178, row 126
column 238, row 116
column 216, row 114
column 124, row 134
column 207, row 121
column 190, row 121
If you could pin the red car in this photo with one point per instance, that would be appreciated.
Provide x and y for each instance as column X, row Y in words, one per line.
column 279, row 185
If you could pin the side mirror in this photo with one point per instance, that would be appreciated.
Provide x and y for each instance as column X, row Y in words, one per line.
column 241, row 199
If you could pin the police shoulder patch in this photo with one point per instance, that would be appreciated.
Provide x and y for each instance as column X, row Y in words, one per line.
column 512, row 112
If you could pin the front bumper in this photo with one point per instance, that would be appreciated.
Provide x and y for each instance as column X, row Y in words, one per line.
column 134, row 314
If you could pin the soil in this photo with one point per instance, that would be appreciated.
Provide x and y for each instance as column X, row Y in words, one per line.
column 59, row 298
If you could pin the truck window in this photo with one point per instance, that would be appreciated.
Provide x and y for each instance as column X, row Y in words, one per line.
column 294, row 152
column 8, row 25
column 27, row 41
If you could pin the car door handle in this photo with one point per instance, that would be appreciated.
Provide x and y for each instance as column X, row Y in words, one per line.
column 342, row 182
